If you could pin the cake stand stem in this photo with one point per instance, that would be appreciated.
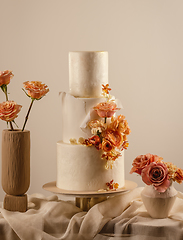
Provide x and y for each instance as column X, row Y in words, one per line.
column 86, row 203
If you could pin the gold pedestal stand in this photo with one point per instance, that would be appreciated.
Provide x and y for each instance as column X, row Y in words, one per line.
column 87, row 199
column 86, row 203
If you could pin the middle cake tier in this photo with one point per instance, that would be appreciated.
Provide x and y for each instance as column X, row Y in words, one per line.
column 76, row 113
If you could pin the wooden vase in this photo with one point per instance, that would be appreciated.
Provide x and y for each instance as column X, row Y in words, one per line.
column 15, row 168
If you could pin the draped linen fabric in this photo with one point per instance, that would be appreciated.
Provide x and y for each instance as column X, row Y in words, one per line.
column 120, row 217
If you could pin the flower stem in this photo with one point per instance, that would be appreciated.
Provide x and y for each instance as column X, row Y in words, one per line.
column 26, row 118
column 5, row 91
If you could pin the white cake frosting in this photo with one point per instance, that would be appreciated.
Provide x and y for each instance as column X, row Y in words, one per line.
column 87, row 72
column 81, row 167
column 75, row 112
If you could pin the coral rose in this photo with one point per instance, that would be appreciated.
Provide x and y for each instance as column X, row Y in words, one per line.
column 142, row 161
column 5, row 77
column 9, row 110
column 179, row 175
column 106, row 109
column 156, row 174
column 36, row 89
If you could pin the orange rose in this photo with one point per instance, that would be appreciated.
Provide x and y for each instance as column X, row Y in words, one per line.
column 36, row 89
column 9, row 110
column 179, row 175
column 95, row 140
column 5, row 77
column 114, row 137
column 106, row 109
column 119, row 123
column 106, row 145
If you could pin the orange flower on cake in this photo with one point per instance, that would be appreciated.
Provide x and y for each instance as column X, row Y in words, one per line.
column 97, row 126
column 106, row 89
column 106, row 109
column 5, row 77
column 114, row 137
column 36, row 89
column 107, row 146
column 96, row 141
column 120, row 123
column 9, row 110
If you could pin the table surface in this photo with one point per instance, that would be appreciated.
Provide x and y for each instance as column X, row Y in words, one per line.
column 120, row 217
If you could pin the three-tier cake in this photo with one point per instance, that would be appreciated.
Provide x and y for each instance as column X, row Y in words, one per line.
column 90, row 155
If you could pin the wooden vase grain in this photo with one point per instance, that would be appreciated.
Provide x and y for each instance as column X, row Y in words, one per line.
column 15, row 161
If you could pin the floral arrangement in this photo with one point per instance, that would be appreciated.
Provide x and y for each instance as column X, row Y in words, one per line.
column 109, row 133
column 9, row 109
column 156, row 172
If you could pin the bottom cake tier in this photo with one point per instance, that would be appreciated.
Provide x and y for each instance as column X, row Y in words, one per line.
column 81, row 168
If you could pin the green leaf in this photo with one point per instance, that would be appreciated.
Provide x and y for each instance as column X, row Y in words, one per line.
column 4, row 88
column 25, row 92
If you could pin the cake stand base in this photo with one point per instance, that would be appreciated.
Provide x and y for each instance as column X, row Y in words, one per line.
column 87, row 199
column 86, row 203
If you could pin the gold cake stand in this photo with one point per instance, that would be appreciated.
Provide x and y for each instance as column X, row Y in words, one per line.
column 87, row 199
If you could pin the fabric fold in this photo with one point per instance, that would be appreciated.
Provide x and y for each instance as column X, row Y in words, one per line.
column 49, row 218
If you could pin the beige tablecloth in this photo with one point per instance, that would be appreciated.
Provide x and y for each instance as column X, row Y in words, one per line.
column 49, row 218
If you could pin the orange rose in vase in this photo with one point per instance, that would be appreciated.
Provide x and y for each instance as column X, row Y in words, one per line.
column 5, row 77
column 36, row 89
column 9, row 110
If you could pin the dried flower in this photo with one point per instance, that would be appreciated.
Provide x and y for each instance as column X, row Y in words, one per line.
column 5, row 77
column 171, row 169
column 9, row 110
column 81, row 140
column 105, row 88
column 97, row 126
column 111, row 156
column 36, row 89
column 73, row 141
column 112, row 185
column 178, row 175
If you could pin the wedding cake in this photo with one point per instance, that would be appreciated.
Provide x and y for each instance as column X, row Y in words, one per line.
column 90, row 156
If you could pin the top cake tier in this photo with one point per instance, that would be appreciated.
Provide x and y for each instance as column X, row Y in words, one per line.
column 87, row 72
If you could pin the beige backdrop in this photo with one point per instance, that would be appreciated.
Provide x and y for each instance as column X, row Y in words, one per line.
column 144, row 39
